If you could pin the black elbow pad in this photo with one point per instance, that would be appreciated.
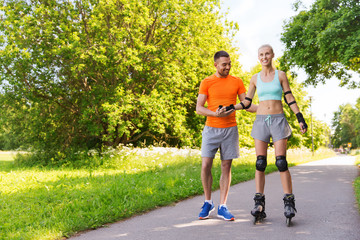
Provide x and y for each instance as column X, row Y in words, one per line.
column 248, row 106
column 288, row 92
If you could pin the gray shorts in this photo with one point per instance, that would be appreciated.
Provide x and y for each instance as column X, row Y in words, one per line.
column 275, row 126
column 225, row 139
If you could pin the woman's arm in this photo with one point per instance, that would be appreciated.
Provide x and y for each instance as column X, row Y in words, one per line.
column 290, row 100
column 246, row 101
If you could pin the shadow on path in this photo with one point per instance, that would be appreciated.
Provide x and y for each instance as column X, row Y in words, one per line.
column 324, row 199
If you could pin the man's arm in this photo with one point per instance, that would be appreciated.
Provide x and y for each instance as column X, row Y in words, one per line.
column 201, row 110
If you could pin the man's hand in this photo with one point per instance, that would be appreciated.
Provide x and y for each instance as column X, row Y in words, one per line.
column 221, row 111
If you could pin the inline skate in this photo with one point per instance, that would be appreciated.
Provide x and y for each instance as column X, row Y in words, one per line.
column 289, row 208
column 259, row 210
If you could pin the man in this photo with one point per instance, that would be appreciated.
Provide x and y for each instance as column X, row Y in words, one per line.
column 220, row 132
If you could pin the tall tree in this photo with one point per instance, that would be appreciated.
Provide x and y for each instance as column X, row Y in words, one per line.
column 346, row 123
column 325, row 41
column 88, row 73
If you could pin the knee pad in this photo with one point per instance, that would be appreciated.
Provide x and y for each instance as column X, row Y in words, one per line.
column 281, row 163
column 261, row 163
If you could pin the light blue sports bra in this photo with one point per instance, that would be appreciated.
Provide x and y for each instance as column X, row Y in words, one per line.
column 269, row 90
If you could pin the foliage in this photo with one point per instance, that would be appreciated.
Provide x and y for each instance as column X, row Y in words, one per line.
column 357, row 184
column 354, row 152
column 78, row 75
column 325, row 41
column 84, row 74
column 346, row 124
column 357, row 191
column 59, row 202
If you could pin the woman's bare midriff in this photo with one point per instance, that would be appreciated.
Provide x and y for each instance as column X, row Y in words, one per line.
column 270, row 107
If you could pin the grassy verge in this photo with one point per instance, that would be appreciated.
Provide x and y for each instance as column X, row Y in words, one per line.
column 357, row 183
column 40, row 203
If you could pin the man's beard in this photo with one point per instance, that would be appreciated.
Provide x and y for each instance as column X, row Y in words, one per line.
column 224, row 73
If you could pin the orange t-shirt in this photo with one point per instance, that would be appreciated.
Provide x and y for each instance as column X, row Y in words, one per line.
column 221, row 91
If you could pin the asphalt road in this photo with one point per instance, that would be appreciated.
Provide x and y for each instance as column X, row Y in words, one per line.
column 324, row 199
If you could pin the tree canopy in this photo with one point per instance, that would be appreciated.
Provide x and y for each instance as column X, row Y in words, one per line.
column 325, row 41
column 346, row 124
column 97, row 72
column 77, row 75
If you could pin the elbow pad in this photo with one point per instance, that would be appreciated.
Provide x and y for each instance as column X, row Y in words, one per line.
column 288, row 92
column 248, row 106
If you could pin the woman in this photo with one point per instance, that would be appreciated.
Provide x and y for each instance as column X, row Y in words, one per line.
column 271, row 122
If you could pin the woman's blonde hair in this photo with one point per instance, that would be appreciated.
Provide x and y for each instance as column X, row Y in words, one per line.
column 266, row 45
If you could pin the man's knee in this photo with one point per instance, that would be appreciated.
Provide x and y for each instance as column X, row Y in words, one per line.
column 226, row 164
column 207, row 163
column 261, row 163
column 281, row 163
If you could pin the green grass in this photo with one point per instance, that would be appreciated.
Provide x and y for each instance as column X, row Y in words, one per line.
column 40, row 203
column 357, row 182
column 6, row 160
column 357, row 191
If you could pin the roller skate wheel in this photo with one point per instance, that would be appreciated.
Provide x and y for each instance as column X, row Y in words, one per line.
column 288, row 222
column 259, row 219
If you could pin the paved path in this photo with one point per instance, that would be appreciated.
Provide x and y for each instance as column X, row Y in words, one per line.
column 324, row 199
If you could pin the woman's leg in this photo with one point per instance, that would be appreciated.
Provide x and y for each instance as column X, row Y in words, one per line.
column 280, row 150
column 260, row 149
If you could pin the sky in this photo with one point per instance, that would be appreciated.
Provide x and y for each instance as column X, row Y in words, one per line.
column 261, row 22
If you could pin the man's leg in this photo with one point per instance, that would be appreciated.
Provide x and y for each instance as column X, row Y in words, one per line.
column 229, row 150
column 206, row 176
column 206, row 179
column 225, row 180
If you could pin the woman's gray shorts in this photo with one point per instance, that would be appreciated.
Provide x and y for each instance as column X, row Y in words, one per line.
column 225, row 139
column 275, row 126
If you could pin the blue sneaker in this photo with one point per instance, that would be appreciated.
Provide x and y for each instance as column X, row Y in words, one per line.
column 206, row 209
column 223, row 212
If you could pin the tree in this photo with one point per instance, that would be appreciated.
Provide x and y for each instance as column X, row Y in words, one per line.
column 346, row 123
column 93, row 73
column 325, row 41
